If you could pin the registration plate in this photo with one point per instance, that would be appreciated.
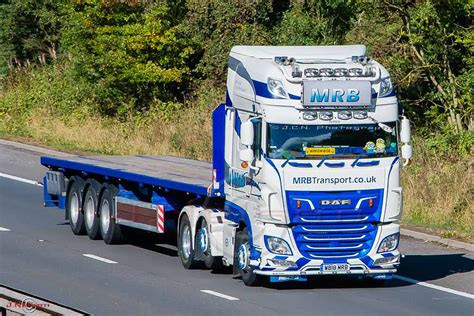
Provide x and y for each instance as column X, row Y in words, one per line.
column 335, row 267
column 320, row 151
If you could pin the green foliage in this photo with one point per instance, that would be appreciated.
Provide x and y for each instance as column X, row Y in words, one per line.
column 133, row 52
column 29, row 32
column 316, row 22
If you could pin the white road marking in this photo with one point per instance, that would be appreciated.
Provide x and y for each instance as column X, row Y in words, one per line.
column 9, row 176
column 3, row 229
column 436, row 287
column 170, row 247
column 227, row 297
column 98, row 258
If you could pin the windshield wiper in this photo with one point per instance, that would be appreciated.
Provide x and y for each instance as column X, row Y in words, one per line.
column 291, row 157
column 324, row 158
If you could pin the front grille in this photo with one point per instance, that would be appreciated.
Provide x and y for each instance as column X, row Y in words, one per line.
column 334, row 232
column 334, row 241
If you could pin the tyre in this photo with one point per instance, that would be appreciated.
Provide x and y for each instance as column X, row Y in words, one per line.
column 203, row 241
column 242, row 257
column 73, row 206
column 110, row 231
column 185, row 245
column 90, row 209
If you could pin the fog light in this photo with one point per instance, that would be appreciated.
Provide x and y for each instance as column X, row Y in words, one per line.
column 387, row 260
column 344, row 115
column 282, row 263
column 326, row 116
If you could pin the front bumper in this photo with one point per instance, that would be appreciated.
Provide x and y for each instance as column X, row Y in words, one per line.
column 371, row 264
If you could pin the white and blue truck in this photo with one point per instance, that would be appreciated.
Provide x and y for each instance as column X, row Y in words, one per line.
column 304, row 179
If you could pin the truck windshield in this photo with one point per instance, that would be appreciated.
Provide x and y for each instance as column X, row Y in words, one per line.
column 310, row 141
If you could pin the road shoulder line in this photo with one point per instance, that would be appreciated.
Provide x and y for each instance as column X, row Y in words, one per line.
column 433, row 286
column 88, row 255
column 19, row 179
column 224, row 296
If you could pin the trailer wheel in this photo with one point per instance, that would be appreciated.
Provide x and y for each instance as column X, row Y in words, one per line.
column 241, row 259
column 204, row 242
column 185, row 245
column 90, row 208
column 73, row 206
column 111, row 231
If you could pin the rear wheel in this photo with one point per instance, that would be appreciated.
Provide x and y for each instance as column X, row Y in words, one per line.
column 73, row 206
column 91, row 205
column 185, row 245
column 111, row 231
column 242, row 258
column 204, row 243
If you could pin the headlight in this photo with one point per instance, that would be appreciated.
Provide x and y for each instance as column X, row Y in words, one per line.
column 389, row 243
column 276, row 88
column 385, row 87
column 277, row 245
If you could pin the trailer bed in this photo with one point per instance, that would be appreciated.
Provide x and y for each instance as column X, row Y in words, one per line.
column 175, row 173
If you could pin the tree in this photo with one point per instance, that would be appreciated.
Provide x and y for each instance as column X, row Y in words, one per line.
column 29, row 32
column 134, row 51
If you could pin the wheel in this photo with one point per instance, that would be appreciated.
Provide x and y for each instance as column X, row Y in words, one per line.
column 110, row 231
column 90, row 209
column 73, row 206
column 242, row 258
column 185, row 246
column 204, row 243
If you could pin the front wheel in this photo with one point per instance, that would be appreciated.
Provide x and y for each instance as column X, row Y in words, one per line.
column 242, row 259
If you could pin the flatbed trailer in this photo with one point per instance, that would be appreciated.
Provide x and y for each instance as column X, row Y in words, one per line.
column 170, row 172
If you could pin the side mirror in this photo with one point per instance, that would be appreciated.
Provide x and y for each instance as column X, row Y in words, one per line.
column 407, row 153
column 405, row 131
column 246, row 155
column 246, row 134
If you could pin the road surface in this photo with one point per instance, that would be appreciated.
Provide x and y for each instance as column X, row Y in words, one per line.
column 40, row 255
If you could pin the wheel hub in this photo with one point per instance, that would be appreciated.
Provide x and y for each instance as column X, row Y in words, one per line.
column 243, row 256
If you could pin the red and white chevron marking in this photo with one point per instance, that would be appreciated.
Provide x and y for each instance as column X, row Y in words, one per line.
column 160, row 218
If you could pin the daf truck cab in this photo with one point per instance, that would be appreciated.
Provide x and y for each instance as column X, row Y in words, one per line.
column 312, row 168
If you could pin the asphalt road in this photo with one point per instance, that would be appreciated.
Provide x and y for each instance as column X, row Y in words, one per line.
column 40, row 255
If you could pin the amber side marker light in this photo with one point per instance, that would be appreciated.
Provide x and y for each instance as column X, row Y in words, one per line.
column 244, row 164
